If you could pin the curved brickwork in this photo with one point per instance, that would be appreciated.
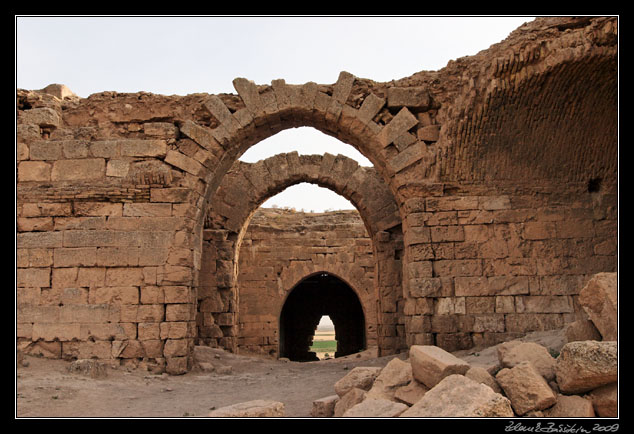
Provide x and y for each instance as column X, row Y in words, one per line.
column 245, row 187
column 541, row 108
column 502, row 166
column 283, row 248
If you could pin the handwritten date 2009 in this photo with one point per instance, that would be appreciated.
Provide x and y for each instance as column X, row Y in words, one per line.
column 552, row 427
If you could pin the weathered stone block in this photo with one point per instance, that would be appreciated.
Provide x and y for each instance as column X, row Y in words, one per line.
column 324, row 407
column 370, row 107
column 410, row 393
column 77, row 170
column 586, row 365
column 430, row 364
column 165, row 130
column 349, row 399
column 582, row 330
column 512, row 353
column 570, row 406
column 429, row 133
column 34, row 171
column 114, row 295
column 402, row 122
column 605, row 400
column 481, row 375
column 376, row 407
column 42, row 116
column 55, row 332
column 526, row 388
column 414, row 97
column 599, row 299
column 256, row 408
column 394, row 375
column 459, row 396
column 184, row 162
column 359, row 377
column 33, row 277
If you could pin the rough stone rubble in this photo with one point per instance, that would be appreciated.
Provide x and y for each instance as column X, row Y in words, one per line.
column 526, row 379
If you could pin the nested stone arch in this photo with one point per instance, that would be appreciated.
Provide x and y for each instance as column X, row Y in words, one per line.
column 452, row 146
column 348, row 110
column 358, row 112
column 247, row 185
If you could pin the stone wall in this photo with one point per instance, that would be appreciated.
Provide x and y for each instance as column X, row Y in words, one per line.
column 282, row 248
column 497, row 198
column 485, row 267
column 245, row 187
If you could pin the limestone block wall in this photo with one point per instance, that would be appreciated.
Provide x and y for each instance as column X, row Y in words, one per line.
column 483, row 267
column 245, row 187
column 497, row 198
column 280, row 249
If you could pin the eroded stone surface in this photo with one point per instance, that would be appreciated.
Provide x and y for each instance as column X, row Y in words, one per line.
column 430, row 364
column 586, row 365
column 484, row 218
column 526, row 388
column 255, row 408
column 459, row 396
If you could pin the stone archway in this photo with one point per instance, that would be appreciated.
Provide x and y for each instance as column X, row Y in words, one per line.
column 321, row 294
column 245, row 187
column 488, row 160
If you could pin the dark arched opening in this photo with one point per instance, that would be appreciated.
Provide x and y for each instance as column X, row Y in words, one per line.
column 318, row 295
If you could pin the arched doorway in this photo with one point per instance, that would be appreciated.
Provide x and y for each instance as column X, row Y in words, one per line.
column 318, row 295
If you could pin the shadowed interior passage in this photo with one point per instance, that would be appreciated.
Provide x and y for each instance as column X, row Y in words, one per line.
column 319, row 295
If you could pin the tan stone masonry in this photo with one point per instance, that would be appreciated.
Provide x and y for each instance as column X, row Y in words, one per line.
column 492, row 200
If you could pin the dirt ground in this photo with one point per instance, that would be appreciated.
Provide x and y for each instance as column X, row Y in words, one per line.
column 46, row 388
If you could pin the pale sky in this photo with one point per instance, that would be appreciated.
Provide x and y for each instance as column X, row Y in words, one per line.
column 173, row 55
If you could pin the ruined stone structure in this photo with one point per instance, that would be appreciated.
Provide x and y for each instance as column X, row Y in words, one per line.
column 492, row 199
column 288, row 251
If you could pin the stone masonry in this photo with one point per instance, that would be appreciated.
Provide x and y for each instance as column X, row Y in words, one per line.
column 282, row 248
column 491, row 201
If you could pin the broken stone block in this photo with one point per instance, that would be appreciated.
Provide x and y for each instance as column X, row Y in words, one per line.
column 512, row 353
column 42, row 116
column 410, row 394
column 351, row 398
column 89, row 367
column 599, row 299
column 360, row 377
column 395, row 374
column 413, row 97
column 430, row 364
column 570, row 406
column 582, row 330
column 376, row 408
column 324, row 407
column 60, row 91
column 481, row 375
column 526, row 388
column 586, row 365
column 605, row 400
column 429, row 133
column 255, row 408
column 459, row 396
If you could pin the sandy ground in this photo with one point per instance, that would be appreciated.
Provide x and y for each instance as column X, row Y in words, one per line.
column 47, row 389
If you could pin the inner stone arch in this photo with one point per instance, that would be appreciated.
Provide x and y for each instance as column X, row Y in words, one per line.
column 370, row 261
column 313, row 297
